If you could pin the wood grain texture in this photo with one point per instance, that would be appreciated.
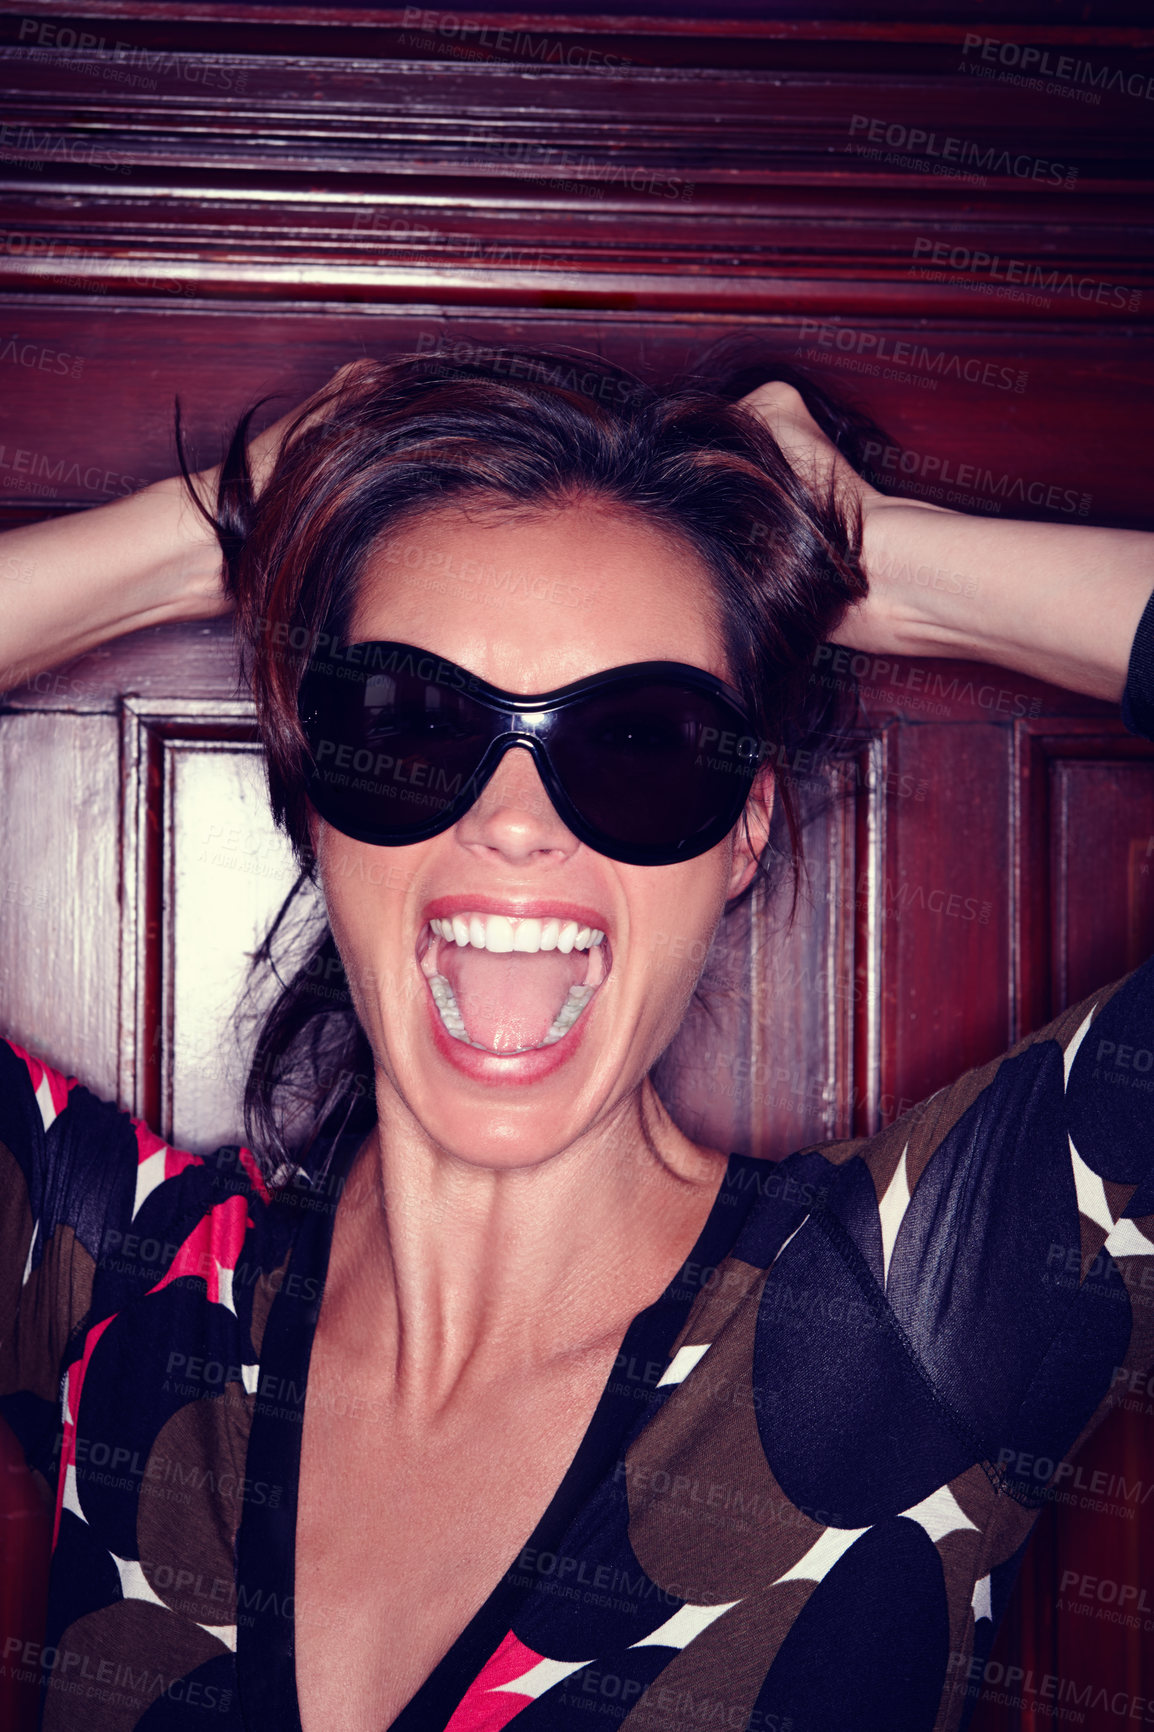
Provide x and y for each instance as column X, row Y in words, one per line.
column 60, row 925
column 546, row 162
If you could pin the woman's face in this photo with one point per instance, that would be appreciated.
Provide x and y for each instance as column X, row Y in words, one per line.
column 529, row 603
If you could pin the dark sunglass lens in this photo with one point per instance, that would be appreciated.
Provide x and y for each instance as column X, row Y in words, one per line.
column 655, row 766
column 395, row 743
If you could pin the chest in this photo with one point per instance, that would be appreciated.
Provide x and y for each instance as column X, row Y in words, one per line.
column 402, row 1535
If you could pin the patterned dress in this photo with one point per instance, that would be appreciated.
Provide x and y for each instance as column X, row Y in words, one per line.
column 803, row 1495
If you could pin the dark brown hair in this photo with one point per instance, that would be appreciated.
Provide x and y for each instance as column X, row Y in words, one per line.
column 389, row 441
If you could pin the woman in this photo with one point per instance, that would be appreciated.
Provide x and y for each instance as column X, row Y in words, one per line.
column 518, row 1405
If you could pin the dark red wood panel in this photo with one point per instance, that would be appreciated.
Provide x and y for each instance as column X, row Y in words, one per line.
column 1083, row 859
column 1049, row 422
column 941, row 900
column 832, row 169
column 1104, row 894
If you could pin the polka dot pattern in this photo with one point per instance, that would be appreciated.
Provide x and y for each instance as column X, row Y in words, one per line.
column 803, row 1495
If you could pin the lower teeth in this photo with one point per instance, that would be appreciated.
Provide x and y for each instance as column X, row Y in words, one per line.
column 445, row 1000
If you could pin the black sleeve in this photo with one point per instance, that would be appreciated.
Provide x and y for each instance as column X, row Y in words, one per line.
column 1138, row 697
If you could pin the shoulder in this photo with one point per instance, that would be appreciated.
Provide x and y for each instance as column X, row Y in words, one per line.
column 86, row 1183
column 1081, row 1088
column 973, row 1280
column 1067, row 1110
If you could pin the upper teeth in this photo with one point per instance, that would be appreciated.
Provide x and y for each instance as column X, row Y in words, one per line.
column 498, row 932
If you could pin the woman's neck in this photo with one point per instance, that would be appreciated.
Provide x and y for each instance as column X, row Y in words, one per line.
column 443, row 1273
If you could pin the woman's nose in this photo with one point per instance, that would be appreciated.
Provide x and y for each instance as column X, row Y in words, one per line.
column 514, row 816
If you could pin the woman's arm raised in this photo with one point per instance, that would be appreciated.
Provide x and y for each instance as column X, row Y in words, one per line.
column 146, row 560
column 1059, row 601
column 81, row 580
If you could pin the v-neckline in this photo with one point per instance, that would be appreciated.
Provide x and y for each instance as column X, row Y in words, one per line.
column 266, row 1543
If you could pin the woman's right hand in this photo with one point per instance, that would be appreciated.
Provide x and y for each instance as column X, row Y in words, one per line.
column 71, row 583
column 264, row 449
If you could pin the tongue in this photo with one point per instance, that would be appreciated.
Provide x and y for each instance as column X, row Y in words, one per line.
column 509, row 1001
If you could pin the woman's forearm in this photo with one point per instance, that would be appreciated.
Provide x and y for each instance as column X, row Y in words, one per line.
column 75, row 582
column 1059, row 601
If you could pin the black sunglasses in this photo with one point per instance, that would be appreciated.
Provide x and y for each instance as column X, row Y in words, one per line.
column 648, row 764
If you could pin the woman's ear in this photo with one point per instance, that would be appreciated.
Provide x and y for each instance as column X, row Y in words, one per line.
column 752, row 835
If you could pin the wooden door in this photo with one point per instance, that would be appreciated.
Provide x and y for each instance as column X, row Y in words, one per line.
column 233, row 203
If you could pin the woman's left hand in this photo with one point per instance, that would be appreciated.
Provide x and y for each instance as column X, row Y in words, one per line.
column 875, row 623
column 1060, row 601
column 813, row 457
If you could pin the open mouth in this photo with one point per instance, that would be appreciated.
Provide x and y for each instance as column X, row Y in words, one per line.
column 509, row 985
